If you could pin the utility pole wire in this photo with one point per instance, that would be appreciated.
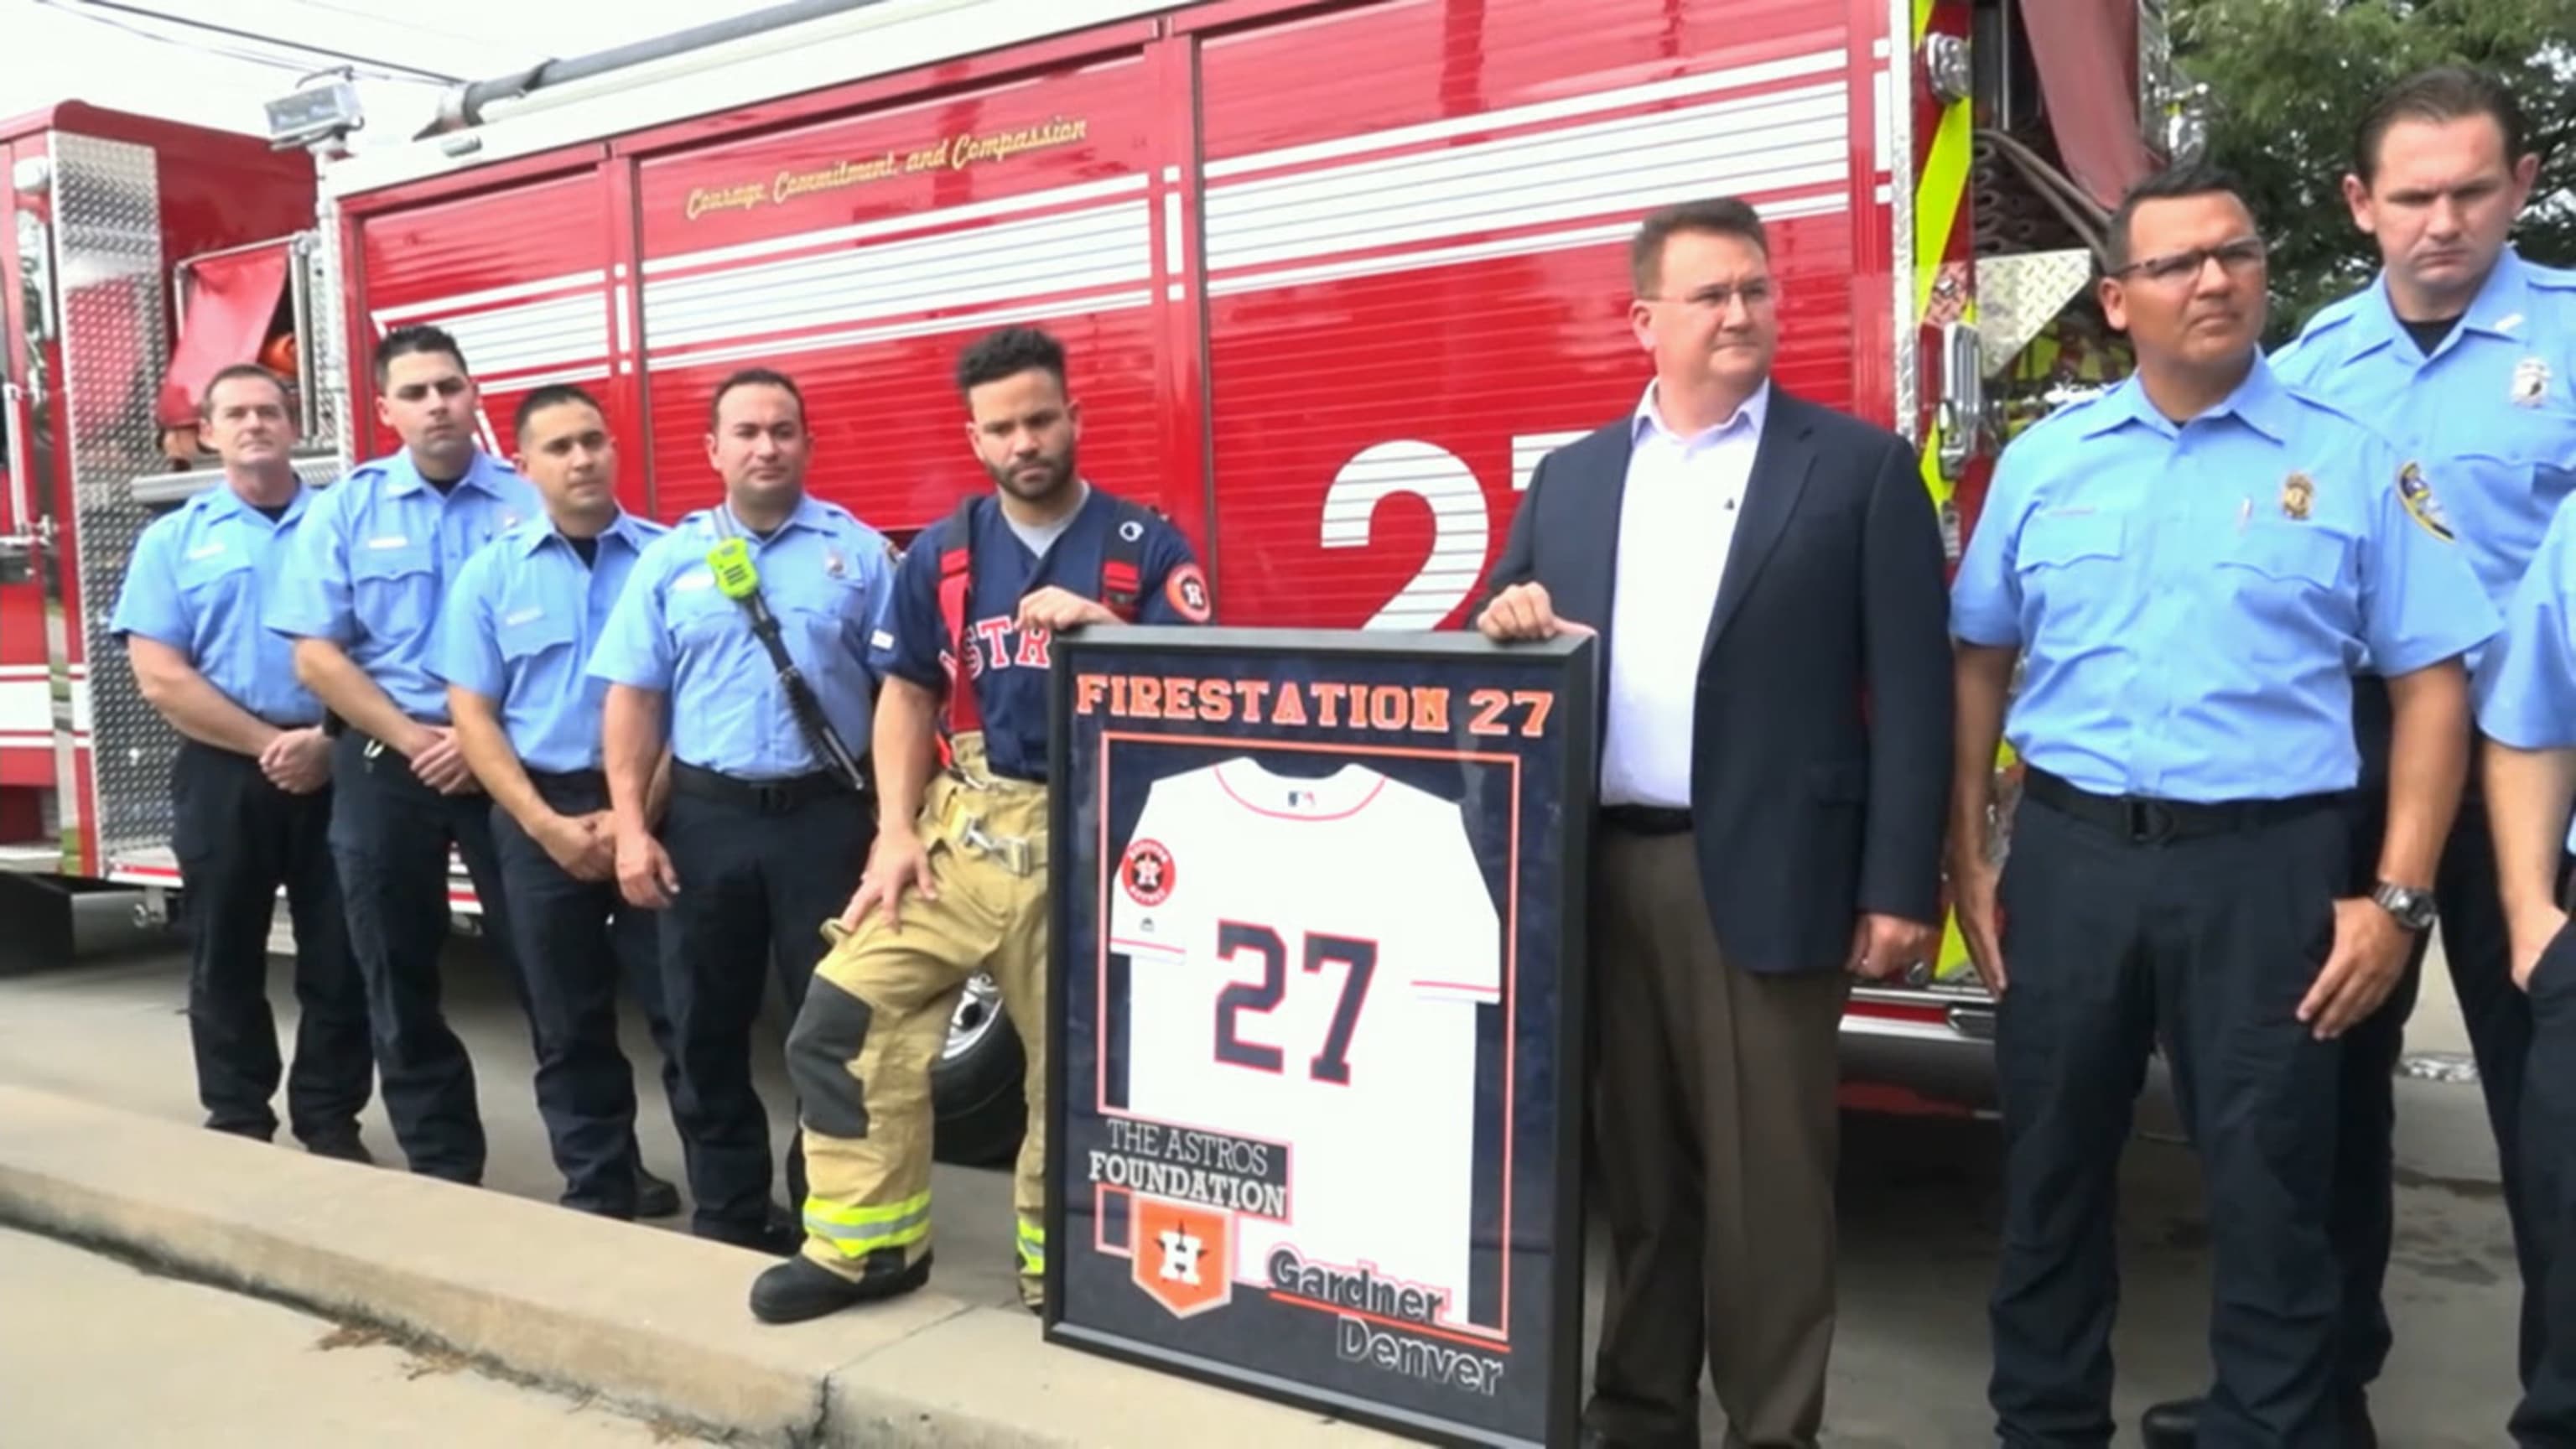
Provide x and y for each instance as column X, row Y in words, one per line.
column 397, row 68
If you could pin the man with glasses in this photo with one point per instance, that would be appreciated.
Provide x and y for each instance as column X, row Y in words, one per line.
column 2462, row 351
column 2190, row 567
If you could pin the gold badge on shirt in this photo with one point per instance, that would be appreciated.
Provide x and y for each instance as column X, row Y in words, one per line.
column 2530, row 382
column 833, row 567
column 2298, row 494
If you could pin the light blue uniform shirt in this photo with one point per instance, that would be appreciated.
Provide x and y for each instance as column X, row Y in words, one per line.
column 2526, row 694
column 826, row 578
column 374, row 558
column 2491, row 415
column 196, row 583
column 2191, row 601
column 519, row 627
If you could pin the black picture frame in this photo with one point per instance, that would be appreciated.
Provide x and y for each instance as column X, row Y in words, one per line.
column 1460, row 741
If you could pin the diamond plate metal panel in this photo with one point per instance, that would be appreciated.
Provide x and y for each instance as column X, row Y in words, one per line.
column 114, row 281
column 328, row 339
column 2017, row 295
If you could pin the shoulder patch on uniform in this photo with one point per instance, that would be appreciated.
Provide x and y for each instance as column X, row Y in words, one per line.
column 1186, row 590
column 2417, row 494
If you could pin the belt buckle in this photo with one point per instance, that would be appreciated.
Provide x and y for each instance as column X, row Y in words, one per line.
column 769, row 796
column 1013, row 850
column 2147, row 822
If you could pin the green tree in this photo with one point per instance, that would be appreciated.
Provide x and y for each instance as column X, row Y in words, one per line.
column 2288, row 79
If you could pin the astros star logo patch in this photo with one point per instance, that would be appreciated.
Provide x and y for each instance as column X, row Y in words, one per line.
column 1146, row 872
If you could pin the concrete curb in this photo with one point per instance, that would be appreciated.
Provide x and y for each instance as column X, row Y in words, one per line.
column 648, row 1320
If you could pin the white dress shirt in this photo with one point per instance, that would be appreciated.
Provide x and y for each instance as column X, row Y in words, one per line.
column 1676, row 526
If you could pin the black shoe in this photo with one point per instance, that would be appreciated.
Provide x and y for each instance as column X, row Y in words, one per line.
column 654, row 1198
column 343, row 1146
column 800, row 1288
column 777, row 1239
column 2172, row 1424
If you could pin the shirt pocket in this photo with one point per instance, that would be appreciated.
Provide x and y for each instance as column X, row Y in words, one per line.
column 215, row 582
column 531, row 631
column 2283, row 597
column 393, row 590
column 831, row 613
column 2070, row 567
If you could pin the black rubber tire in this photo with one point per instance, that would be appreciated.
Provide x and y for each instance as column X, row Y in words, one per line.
column 977, row 1099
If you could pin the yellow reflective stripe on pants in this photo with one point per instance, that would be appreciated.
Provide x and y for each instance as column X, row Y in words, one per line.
column 1032, row 1248
column 858, row 1231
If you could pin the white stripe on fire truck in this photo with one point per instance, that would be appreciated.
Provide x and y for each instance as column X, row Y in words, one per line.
column 26, row 707
column 1115, row 186
column 463, row 301
column 1769, row 144
column 561, row 332
column 1083, row 306
column 1824, row 203
column 1108, row 246
column 1736, row 78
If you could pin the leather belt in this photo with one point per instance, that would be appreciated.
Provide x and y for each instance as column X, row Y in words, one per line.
column 1646, row 819
column 765, row 797
column 2143, row 820
column 592, row 780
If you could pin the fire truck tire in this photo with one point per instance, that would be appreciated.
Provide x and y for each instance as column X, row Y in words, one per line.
column 976, row 1085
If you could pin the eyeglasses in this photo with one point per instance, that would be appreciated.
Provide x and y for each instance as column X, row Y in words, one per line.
column 1753, row 294
column 2237, row 258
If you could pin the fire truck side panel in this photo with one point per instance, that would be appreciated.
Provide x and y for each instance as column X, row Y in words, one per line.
column 1415, row 296
column 27, row 765
column 111, row 207
column 524, row 278
column 858, row 254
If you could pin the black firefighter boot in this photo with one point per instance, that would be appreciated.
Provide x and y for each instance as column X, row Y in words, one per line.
column 801, row 1288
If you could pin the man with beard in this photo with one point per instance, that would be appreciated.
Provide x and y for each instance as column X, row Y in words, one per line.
column 976, row 600
column 359, row 596
column 764, row 830
column 513, row 637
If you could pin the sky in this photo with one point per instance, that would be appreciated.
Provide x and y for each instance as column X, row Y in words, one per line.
column 60, row 50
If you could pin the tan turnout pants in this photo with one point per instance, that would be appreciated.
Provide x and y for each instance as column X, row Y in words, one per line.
column 878, row 1013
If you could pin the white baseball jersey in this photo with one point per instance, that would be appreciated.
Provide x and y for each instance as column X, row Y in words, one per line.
column 1306, row 960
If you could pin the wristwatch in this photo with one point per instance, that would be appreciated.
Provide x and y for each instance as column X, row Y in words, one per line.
column 2412, row 908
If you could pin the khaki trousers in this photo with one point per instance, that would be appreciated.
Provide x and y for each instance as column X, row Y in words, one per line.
column 1714, row 1110
column 878, row 1013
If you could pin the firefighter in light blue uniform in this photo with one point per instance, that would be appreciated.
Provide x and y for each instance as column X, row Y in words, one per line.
column 766, row 842
column 2526, row 696
column 362, row 587
column 2485, row 402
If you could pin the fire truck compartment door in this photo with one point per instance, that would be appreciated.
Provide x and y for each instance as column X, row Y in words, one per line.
column 230, row 301
column 2084, row 51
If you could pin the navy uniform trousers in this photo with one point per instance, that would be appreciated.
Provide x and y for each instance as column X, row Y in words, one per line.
column 239, row 839
column 2499, row 1022
column 389, row 837
column 762, row 865
column 578, row 940
column 2204, row 927
column 2546, row 1416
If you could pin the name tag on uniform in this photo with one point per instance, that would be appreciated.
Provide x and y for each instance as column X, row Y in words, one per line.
column 692, row 581
column 206, row 550
column 881, row 640
column 390, row 540
column 524, row 616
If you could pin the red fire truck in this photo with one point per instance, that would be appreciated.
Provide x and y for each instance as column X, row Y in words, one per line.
column 1335, row 275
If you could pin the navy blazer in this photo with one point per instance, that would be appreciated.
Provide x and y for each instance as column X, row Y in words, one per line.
column 1820, row 771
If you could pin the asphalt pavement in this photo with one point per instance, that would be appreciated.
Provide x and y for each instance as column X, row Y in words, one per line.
column 1917, row 1228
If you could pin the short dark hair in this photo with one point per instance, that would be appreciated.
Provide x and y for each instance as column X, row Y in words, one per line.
column 2443, row 93
column 2196, row 178
column 1724, row 215
column 1007, row 353
column 754, row 377
column 418, row 339
column 552, row 395
column 238, row 372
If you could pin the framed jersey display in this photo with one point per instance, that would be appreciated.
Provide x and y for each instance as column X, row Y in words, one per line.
column 1316, row 1018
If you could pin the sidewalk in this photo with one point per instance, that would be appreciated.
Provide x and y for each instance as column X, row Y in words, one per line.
column 650, row 1322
